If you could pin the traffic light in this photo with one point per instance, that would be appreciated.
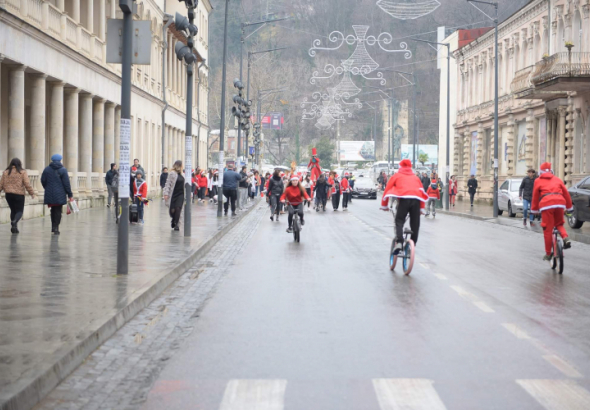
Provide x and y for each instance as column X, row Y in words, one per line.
column 241, row 110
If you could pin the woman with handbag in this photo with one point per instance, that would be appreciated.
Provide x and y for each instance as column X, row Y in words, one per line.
column 174, row 195
column 14, row 183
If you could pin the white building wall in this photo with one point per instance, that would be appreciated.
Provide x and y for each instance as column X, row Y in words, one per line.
column 453, row 40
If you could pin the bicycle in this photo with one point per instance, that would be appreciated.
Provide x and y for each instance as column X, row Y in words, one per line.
column 407, row 252
column 296, row 224
column 557, row 260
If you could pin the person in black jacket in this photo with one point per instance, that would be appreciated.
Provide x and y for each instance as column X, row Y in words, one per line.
column 321, row 192
column 425, row 181
column 163, row 178
column 472, row 188
column 275, row 190
column 108, row 179
column 243, row 188
column 525, row 192
column 56, row 182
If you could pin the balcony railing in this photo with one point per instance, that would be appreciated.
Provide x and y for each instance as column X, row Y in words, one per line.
column 71, row 32
column 522, row 80
column 54, row 23
column 563, row 64
column 85, row 41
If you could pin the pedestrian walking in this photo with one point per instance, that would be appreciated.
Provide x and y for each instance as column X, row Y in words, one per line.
column 163, row 177
column 351, row 182
column 433, row 196
column 345, row 188
column 201, row 185
column 472, row 188
column 108, row 179
column 525, row 192
column 14, row 182
column 274, row 191
column 140, row 190
column 425, row 181
column 174, row 196
column 243, row 188
column 115, row 189
column 56, row 182
column 336, row 192
column 452, row 189
column 231, row 180
column 137, row 168
column 306, row 185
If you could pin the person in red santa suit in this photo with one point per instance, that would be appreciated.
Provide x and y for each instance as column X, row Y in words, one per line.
column 551, row 198
column 295, row 195
column 345, row 188
column 409, row 191
column 314, row 165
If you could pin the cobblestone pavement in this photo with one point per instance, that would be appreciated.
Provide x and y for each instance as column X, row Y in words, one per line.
column 57, row 291
column 120, row 373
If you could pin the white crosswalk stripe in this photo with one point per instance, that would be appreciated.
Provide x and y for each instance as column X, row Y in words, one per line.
column 557, row 394
column 407, row 394
column 251, row 394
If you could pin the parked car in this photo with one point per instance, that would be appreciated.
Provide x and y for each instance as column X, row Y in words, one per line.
column 508, row 199
column 364, row 188
column 581, row 199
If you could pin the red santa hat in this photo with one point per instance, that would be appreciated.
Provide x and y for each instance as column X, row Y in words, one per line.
column 545, row 167
column 405, row 163
column 294, row 178
column 314, row 152
column 282, row 174
column 346, row 174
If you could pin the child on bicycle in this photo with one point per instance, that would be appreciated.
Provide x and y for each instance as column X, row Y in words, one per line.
column 551, row 198
column 295, row 195
column 433, row 195
column 408, row 189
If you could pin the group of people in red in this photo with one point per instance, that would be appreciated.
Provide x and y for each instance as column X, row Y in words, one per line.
column 550, row 198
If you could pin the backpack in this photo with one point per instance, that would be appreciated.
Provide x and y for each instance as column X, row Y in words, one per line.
column 115, row 183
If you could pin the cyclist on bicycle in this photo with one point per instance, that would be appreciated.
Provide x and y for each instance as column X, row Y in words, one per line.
column 295, row 195
column 408, row 189
column 274, row 191
column 551, row 198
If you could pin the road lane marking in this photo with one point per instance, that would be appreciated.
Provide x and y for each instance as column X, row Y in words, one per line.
column 557, row 394
column 252, row 394
column 563, row 366
column 440, row 276
column 516, row 331
column 539, row 345
column 425, row 266
column 407, row 394
column 483, row 306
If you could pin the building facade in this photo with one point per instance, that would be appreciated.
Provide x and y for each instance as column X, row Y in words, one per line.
column 59, row 95
column 544, row 74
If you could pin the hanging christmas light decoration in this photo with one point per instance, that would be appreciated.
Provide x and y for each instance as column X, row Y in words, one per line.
column 408, row 9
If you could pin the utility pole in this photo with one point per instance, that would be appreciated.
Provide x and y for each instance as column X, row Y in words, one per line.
column 222, row 125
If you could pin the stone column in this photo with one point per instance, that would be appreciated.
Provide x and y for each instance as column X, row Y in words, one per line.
column 568, row 157
column 511, row 151
column 98, row 139
column 113, row 11
column 466, row 152
column 548, row 155
column 71, row 135
column 585, row 24
column 530, row 139
column 109, row 136
column 117, row 133
column 56, row 119
column 16, row 113
column 76, row 15
column 103, row 20
column 86, row 140
column 61, row 5
column 480, row 149
column 38, row 126
column 560, row 154
column 90, row 15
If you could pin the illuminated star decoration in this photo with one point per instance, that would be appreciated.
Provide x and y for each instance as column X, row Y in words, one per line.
column 408, row 9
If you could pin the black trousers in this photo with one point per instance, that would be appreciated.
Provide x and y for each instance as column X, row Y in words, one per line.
column 175, row 214
column 471, row 196
column 321, row 200
column 345, row 198
column 56, row 215
column 274, row 204
column 232, row 196
column 407, row 206
column 292, row 210
column 16, row 203
column 336, row 200
column 202, row 191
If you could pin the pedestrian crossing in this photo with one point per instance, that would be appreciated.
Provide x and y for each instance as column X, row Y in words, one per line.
column 402, row 394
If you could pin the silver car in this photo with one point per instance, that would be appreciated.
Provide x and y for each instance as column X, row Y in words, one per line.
column 508, row 199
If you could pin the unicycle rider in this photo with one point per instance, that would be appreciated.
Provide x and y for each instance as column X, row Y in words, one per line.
column 409, row 192
column 551, row 198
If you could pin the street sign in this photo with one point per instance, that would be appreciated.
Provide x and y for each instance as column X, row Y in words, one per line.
column 142, row 42
column 251, row 150
column 124, row 158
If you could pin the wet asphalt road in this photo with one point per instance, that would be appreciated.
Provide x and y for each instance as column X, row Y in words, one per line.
column 481, row 323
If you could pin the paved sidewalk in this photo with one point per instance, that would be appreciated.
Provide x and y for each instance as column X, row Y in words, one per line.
column 60, row 296
column 485, row 212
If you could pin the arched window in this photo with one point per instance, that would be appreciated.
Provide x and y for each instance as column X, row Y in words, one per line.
column 560, row 46
column 577, row 33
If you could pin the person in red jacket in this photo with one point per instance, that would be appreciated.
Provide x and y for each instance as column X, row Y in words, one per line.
column 202, row 183
column 140, row 190
column 433, row 195
column 295, row 195
column 409, row 191
column 551, row 198
column 345, row 189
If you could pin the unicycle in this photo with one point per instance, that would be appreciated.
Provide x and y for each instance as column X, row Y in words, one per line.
column 556, row 261
column 406, row 254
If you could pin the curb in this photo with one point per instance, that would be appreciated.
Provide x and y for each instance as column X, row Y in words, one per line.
column 32, row 392
column 574, row 236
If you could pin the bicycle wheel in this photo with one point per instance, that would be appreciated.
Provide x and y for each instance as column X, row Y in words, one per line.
column 296, row 229
column 553, row 261
column 408, row 262
column 392, row 257
column 559, row 257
